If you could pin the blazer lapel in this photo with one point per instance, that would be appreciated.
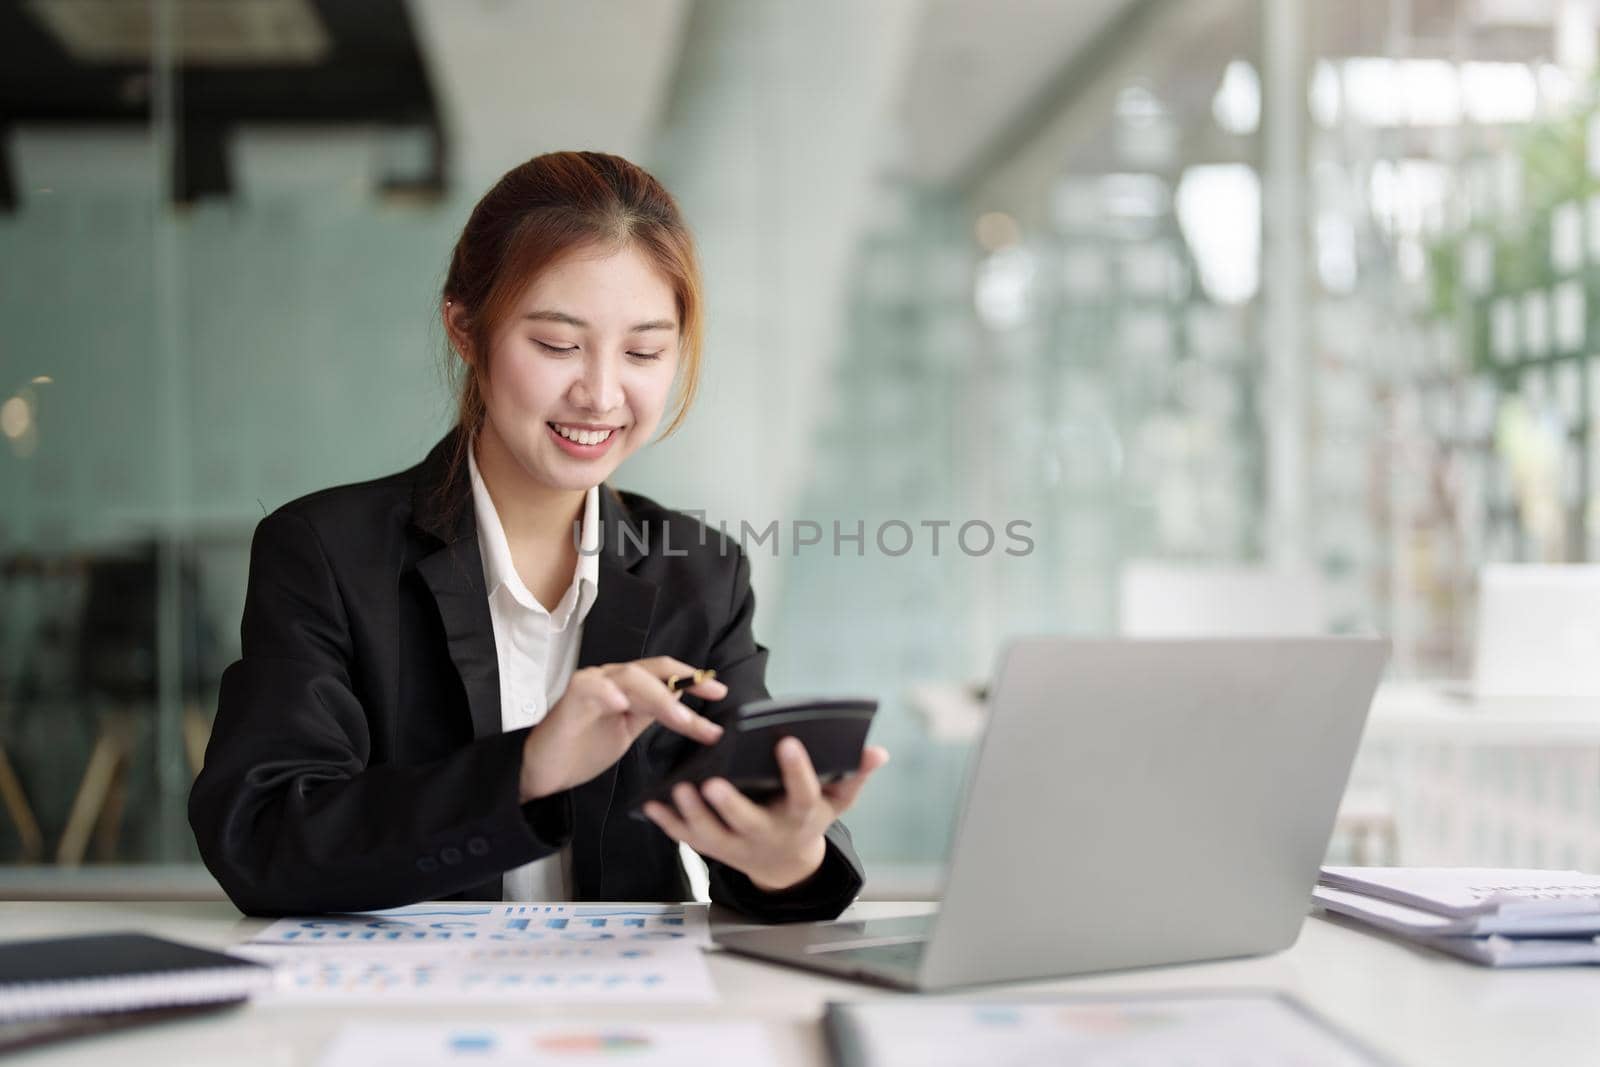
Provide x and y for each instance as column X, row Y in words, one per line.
column 454, row 574
column 441, row 507
column 619, row 622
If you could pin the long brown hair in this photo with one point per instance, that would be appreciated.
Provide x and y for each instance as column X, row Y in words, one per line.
column 538, row 212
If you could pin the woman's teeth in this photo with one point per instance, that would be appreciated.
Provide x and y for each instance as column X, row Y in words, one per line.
column 582, row 437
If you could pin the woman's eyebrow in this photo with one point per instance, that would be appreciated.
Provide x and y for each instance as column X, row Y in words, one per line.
column 572, row 320
column 556, row 316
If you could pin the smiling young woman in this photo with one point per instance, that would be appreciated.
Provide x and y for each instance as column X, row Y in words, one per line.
column 454, row 679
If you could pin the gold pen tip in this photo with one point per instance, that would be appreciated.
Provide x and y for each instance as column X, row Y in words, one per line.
column 677, row 682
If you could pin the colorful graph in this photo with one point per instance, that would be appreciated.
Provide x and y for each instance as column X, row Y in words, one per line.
column 508, row 952
column 603, row 1043
column 1107, row 1020
column 513, row 979
column 477, row 1042
column 478, row 923
column 551, row 1044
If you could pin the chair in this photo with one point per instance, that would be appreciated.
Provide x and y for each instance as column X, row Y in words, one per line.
column 13, row 796
column 118, row 665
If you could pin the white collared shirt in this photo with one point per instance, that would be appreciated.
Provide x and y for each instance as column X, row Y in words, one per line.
column 537, row 650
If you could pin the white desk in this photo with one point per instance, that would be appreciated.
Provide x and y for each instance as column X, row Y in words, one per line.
column 1418, row 1007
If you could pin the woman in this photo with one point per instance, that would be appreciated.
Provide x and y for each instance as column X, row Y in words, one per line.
column 441, row 694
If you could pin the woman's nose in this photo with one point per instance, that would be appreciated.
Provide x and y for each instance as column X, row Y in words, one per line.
column 599, row 389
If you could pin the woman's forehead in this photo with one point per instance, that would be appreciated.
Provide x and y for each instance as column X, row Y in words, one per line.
column 601, row 287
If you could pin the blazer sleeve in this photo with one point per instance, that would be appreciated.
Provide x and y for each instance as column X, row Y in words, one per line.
column 287, row 813
column 741, row 664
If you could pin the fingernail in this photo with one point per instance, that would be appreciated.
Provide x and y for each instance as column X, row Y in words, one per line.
column 792, row 747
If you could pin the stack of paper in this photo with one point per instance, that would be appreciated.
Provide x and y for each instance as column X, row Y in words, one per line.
column 1502, row 917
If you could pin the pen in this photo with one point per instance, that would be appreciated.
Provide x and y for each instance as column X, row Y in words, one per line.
column 679, row 682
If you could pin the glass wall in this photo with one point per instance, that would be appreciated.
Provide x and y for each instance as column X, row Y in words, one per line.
column 1063, row 345
column 1452, row 158
column 190, row 317
column 1286, row 292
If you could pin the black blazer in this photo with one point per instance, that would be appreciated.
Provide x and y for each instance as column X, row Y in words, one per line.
column 357, row 760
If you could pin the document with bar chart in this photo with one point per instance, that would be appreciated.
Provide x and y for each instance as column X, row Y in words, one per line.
column 495, row 923
column 492, row 952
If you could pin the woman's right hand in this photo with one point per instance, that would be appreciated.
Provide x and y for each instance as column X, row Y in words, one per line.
column 603, row 710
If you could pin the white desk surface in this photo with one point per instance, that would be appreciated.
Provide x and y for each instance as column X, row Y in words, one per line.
column 1418, row 1007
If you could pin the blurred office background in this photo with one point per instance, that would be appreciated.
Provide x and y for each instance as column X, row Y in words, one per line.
column 1265, row 315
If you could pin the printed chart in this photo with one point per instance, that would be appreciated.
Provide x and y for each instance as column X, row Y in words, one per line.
column 548, row 1045
column 481, row 953
column 471, row 924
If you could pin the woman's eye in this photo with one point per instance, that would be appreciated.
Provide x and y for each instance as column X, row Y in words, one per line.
column 645, row 355
column 555, row 348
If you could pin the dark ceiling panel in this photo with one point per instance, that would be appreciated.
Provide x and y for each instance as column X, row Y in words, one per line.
column 372, row 74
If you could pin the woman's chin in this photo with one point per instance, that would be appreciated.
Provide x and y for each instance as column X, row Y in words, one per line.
column 568, row 475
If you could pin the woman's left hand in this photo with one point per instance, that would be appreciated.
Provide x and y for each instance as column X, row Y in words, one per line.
column 776, row 846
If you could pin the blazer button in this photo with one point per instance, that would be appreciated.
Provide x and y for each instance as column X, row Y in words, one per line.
column 427, row 865
column 478, row 846
column 452, row 856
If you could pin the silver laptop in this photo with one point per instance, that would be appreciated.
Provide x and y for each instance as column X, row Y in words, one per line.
column 1132, row 803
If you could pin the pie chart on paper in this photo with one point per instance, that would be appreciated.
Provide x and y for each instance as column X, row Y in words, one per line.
column 607, row 1042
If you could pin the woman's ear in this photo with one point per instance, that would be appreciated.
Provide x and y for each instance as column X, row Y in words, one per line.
column 455, row 328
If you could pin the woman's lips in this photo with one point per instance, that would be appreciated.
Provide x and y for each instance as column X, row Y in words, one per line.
column 578, row 449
